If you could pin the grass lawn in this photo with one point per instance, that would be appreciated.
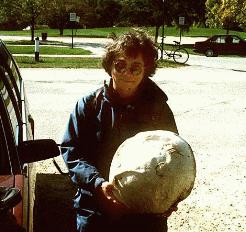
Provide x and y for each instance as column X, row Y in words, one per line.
column 73, row 62
column 104, row 32
column 97, row 32
column 57, row 62
column 47, row 47
column 50, row 50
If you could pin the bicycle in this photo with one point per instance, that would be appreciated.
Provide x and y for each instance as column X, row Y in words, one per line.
column 180, row 55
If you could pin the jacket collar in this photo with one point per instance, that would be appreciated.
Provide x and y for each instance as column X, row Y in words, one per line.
column 148, row 91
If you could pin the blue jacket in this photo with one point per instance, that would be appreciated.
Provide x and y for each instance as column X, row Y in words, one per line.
column 99, row 123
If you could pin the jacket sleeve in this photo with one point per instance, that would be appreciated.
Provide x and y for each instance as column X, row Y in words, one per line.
column 74, row 149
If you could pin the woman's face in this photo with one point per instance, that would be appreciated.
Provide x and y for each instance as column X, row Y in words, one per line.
column 127, row 74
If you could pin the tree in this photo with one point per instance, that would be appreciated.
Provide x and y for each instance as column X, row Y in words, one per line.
column 135, row 12
column 108, row 12
column 56, row 13
column 241, row 16
column 192, row 10
column 212, row 7
column 228, row 14
column 31, row 11
column 157, row 18
column 167, row 12
column 11, row 14
column 233, row 14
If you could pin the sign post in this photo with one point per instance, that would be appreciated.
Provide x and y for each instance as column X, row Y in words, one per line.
column 72, row 18
column 37, row 49
column 181, row 24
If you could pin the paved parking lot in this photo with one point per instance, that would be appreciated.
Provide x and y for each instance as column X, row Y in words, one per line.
column 210, row 109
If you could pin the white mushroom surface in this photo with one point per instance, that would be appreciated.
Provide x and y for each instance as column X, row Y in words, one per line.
column 152, row 171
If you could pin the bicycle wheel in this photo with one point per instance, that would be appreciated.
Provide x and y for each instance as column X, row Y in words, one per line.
column 181, row 56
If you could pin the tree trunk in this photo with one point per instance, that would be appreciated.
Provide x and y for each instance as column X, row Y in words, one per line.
column 156, row 33
column 32, row 32
column 61, row 30
column 32, row 28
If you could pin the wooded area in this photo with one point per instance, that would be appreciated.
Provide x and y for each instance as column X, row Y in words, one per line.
column 227, row 14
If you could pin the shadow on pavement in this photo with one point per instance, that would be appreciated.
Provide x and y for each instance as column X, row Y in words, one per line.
column 53, row 209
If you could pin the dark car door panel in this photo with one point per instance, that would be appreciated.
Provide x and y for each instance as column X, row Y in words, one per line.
column 17, row 145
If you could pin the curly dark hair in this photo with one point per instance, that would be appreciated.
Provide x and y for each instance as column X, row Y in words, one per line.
column 132, row 43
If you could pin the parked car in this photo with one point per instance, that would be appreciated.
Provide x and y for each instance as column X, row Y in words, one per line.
column 18, row 149
column 221, row 45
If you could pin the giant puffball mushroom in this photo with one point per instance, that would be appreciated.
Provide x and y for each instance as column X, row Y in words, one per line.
column 152, row 171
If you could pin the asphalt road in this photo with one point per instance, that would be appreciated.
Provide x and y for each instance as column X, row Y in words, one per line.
column 52, row 93
column 210, row 109
column 234, row 63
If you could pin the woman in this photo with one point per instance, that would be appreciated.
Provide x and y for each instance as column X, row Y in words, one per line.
column 101, row 121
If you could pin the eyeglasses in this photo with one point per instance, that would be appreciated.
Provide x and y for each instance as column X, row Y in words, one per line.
column 121, row 67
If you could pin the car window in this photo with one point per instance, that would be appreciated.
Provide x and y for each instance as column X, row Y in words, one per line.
column 214, row 39
column 5, row 167
column 10, row 103
column 11, row 68
column 220, row 39
column 235, row 40
column 14, row 80
column 10, row 128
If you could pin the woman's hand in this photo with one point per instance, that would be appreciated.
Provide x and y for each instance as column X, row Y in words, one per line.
column 109, row 201
column 107, row 190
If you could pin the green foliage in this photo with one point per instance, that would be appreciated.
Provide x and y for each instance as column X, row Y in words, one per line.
column 241, row 13
column 103, row 9
column 135, row 12
column 11, row 14
column 56, row 13
column 31, row 11
column 104, row 32
column 103, row 13
column 157, row 12
column 228, row 14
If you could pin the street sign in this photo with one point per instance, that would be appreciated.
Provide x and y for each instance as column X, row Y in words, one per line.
column 181, row 20
column 73, row 17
